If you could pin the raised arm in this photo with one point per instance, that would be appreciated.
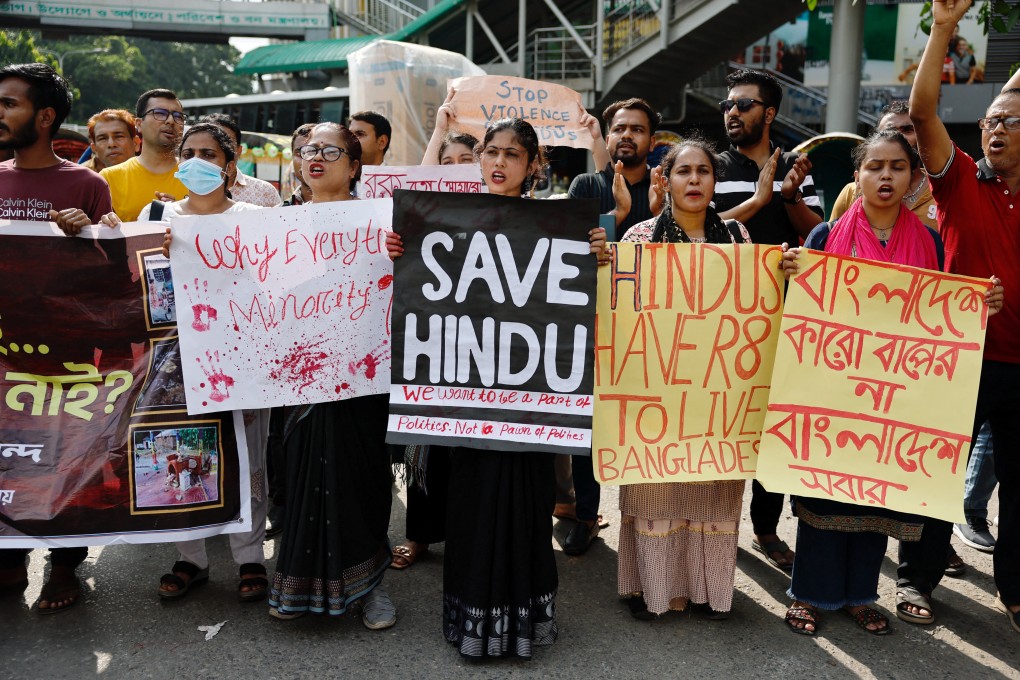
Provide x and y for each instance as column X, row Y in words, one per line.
column 1013, row 83
column 444, row 116
column 933, row 139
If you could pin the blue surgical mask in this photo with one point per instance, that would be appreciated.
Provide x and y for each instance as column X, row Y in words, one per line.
column 199, row 176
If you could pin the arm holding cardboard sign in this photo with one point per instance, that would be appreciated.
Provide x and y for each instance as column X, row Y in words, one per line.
column 599, row 150
column 445, row 115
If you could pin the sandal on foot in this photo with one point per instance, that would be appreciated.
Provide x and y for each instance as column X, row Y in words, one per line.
column 804, row 615
column 867, row 615
column 257, row 586
column 769, row 547
column 194, row 574
column 955, row 566
column 57, row 591
column 285, row 616
column 1014, row 617
column 906, row 597
column 639, row 609
column 405, row 556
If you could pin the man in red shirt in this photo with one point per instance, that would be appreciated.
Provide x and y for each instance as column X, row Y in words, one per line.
column 37, row 185
column 979, row 220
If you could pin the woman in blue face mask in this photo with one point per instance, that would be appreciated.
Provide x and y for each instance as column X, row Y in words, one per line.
column 207, row 156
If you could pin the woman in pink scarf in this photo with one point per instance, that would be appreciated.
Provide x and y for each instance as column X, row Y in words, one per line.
column 840, row 547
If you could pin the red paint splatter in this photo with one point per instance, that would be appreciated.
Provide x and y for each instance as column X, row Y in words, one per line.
column 337, row 389
column 345, row 386
column 200, row 324
column 236, row 328
column 385, row 282
column 301, row 365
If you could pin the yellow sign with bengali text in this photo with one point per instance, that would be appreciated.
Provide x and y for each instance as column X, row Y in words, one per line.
column 685, row 336
column 875, row 386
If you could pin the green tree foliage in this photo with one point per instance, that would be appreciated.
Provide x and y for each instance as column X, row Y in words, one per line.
column 1000, row 15
column 113, row 78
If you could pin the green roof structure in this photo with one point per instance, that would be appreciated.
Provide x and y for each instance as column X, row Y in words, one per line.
column 332, row 54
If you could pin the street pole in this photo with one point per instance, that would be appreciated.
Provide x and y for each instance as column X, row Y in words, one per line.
column 845, row 51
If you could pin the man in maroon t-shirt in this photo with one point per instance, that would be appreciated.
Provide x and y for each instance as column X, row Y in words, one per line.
column 979, row 220
column 37, row 185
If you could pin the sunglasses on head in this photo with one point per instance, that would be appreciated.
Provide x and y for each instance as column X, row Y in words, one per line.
column 743, row 104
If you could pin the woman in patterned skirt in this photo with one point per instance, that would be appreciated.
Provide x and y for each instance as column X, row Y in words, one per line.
column 678, row 541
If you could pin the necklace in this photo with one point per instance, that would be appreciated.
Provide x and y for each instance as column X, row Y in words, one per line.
column 882, row 234
column 912, row 196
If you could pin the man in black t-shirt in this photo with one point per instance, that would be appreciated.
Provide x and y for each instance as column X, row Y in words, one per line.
column 623, row 191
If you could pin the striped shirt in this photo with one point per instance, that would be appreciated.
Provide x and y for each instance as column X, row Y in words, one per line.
column 737, row 183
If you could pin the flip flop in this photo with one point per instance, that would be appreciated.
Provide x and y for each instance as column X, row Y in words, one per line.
column 195, row 576
column 54, row 592
column 912, row 596
column 770, row 547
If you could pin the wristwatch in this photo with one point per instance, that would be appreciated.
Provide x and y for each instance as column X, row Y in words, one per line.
column 793, row 201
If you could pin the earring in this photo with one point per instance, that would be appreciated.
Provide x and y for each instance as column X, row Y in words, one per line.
column 528, row 183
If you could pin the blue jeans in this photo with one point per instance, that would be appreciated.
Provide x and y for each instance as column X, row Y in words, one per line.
column 981, row 480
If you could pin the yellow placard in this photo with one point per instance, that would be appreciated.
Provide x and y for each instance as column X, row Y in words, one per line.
column 685, row 336
column 875, row 386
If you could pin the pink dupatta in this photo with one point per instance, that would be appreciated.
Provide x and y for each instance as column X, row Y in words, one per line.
column 910, row 243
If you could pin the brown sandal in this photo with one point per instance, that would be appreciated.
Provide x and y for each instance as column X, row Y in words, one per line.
column 803, row 615
column 404, row 556
column 867, row 615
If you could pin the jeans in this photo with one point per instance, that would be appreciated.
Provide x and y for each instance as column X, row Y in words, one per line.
column 981, row 481
column 999, row 403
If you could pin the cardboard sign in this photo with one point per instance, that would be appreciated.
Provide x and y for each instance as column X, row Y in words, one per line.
column 380, row 181
column 493, row 323
column 284, row 306
column 553, row 110
column 875, row 386
column 684, row 345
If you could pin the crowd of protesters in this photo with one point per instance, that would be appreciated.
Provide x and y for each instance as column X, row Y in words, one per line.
column 916, row 199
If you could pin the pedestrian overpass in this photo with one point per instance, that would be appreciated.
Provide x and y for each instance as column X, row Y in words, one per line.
column 184, row 20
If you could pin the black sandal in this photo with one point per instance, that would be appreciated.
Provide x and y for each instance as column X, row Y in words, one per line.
column 259, row 585
column 802, row 615
column 194, row 574
column 638, row 608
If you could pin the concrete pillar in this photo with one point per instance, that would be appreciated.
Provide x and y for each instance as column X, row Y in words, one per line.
column 469, row 30
column 522, row 36
column 845, row 53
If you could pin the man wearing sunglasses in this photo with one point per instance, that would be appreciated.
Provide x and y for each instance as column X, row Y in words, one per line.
column 979, row 219
column 134, row 183
column 773, row 194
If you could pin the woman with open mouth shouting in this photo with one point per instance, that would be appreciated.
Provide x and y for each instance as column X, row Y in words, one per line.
column 840, row 546
column 335, row 549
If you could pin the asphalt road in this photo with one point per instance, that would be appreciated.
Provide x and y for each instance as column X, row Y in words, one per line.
column 121, row 629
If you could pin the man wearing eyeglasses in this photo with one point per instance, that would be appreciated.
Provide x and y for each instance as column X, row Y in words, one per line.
column 134, row 183
column 773, row 195
column 979, row 220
